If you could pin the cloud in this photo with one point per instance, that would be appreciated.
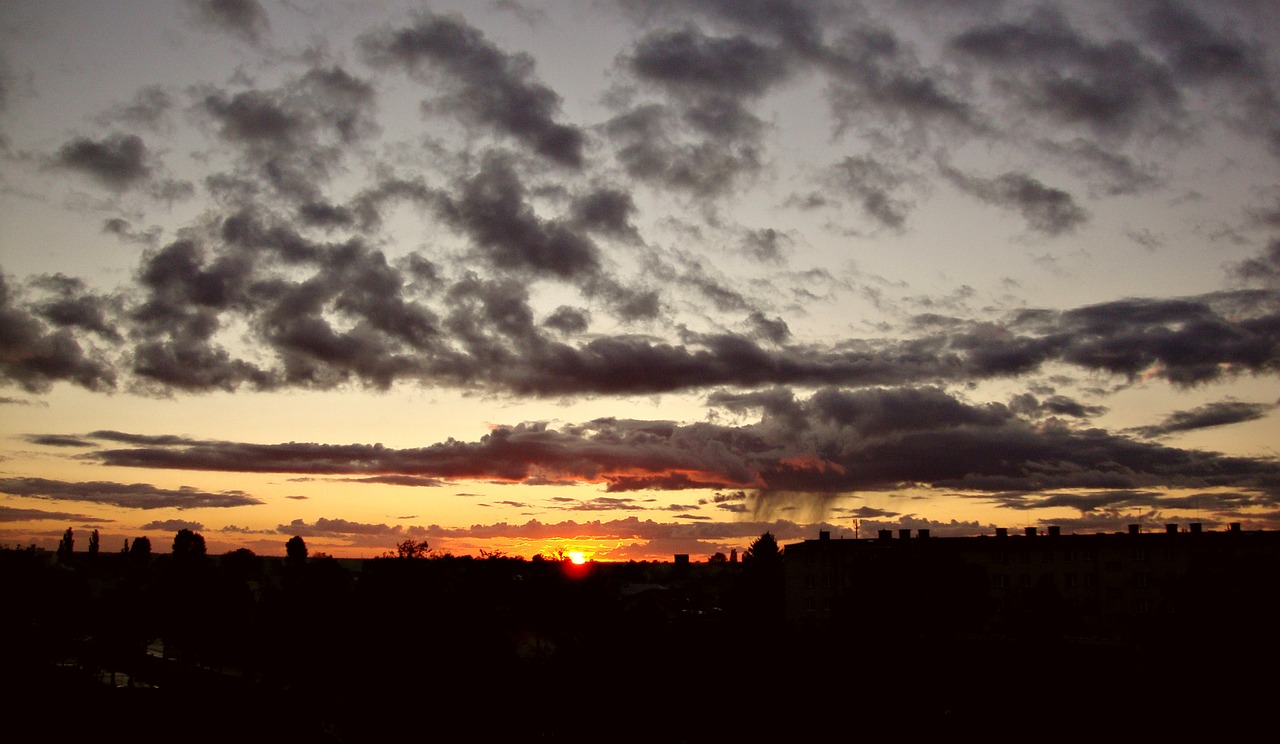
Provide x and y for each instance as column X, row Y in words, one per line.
column 1047, row 210
column 489, row 86
column 687, row 59
column 1027, row 404
column 124, row 495
column 765, row 244
column 58, row 440
column 874, row 185
column 295, row 136
column 73, row 305
column 34, row 356
column 1263, row 269
column 245, row 19
column 652, row 147
column 149, row 109
column 877, row 83
column 173, row 525
column 491, row 208
column 15, row 514
column 1108, row 172
column 117, row 161
column 1220, row 413
column 1045, row 67
column 836, row 441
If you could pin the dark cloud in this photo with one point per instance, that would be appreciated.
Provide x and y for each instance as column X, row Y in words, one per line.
column 124, row 495
column 149, row 108
column 797, row 25
column 652, row 147
column 492, row 209
column 1108, row 172
column 59, row 440
column 836, row 441
column 402, row 480
column 877, row 82
column 1046, row 209
column 765, row 244
column 117, row 161
column 1044, row 66
column 296, row 295
column 875, row 186
column 73, row 305
column 1116, row 509
column 245, row 19
column 293, row 137
column 1196, row 49
column 490, row 86
column 725, row 66
column 15, row 514
column 34, row 357
column 255, row 117
column 1028, row 405
column 568, row 320
column 607, row 211
column 1186, row 341
column 324, row 527
column 1220, row 413
column 769, row 329
column 161, row 440
column 173, row 525
column 1264, row 268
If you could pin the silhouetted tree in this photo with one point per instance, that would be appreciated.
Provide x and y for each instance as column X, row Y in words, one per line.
column 295, row 550
column 762, row 581
column 764, row 551
column 410, row 548
column 93, row 543
column 718, row 558
column 66, row 545
column 188, row 543
column 141, row 547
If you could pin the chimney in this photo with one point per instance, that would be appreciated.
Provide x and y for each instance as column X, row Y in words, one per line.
column 1195, row 528
column 1133, row 529
column 886, row 534
column 1031, row 531
column 1171, row 529
column 1054, row 530
column 1235, row 526
column 904, row 534
column 922, row 534
column 1002, row 532
column 824, row 535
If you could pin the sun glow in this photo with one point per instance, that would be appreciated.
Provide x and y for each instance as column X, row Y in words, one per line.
column 577, row 557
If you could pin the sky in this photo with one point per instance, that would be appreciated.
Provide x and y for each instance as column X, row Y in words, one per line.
column 635, row 278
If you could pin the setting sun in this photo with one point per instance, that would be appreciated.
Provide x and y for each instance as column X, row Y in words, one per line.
column 577, row 557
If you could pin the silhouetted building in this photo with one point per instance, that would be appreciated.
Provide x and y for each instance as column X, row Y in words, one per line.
column 1111, row 586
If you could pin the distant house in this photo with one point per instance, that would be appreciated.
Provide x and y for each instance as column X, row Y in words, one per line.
column 1111, row 586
